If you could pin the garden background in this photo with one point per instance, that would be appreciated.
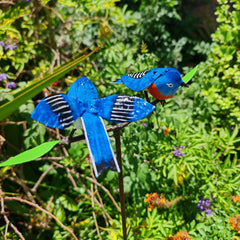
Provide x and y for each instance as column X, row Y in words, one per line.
column 180, row 165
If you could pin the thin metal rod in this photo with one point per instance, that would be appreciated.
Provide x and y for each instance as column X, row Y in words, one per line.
column 120, row 180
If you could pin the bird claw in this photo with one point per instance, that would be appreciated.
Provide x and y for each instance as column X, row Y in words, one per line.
column 156, row 101
column 146, row 95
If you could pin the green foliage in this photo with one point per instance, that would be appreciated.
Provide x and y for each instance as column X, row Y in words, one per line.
column 34, row 87
column 188, row 150
column 221, row 71
column 168, row 27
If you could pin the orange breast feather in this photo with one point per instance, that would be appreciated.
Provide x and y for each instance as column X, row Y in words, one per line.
column 155, row 92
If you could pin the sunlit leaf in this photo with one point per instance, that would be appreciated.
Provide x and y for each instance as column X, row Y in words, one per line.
column 30, row 154
column 190, row 74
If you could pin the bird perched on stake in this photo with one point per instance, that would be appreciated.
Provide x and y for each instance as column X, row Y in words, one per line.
column 162, row 83
column 61, row 111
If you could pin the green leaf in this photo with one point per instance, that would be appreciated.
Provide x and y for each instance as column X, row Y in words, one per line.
column 190, row 74
column 173, row 173
column 15, row 32
column 60, row 213
column 36, row 86
column 143, row 172
column 68, row 203
column 127, row 184
column 30, row 154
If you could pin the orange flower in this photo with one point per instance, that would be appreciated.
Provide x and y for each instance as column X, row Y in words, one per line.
column 153, row 200
column 166, row 131
column 183, row 235
column 235, row 223
column 236, row 199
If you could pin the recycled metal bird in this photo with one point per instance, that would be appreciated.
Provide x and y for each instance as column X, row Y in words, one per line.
column 162, row 83
column 61, row 111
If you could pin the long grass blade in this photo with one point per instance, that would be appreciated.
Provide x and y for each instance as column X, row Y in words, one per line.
column 36, row 86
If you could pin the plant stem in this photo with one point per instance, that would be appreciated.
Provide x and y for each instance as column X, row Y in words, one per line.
column 120, row 180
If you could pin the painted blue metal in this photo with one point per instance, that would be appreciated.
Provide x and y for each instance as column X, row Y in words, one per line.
column 166, row 80
column 61, row 111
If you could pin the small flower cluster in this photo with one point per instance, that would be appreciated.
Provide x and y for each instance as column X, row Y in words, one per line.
column 235, row 223
column 166, row 131
column 4, row 76
column 183, row 235
column 204, row 206
column 145, row 124
column 153, row 201
column 11, row 85
column 236, row 199
column 177, row 151
column 7, row 46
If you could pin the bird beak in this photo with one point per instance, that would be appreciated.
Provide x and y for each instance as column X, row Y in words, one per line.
column 183, row 84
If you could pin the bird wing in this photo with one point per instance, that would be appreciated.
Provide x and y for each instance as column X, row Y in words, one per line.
column 83, row 90
column 99, row 145
column 136, row 81
column 56, row 111
column 123, row 108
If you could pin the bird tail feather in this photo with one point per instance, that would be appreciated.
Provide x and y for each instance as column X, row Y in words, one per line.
column 119, row 80
column 99, row 145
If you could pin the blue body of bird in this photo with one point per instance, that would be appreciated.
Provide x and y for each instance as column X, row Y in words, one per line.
column 162, row 83
column 61, row 111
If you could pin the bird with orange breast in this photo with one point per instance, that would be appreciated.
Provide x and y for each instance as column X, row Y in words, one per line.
column 162, row 83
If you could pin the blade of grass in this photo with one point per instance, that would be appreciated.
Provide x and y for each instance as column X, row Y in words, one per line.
column 36, row 86
column 19, row 91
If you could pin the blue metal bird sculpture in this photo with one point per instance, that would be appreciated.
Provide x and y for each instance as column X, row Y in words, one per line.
column 162, row 83
column 61, row 111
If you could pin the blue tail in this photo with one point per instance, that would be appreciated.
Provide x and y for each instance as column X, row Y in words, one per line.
column 99, row 145
column 119, row 80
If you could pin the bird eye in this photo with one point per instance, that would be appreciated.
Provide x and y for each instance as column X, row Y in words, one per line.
column 170, row 84
column 154, row 72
